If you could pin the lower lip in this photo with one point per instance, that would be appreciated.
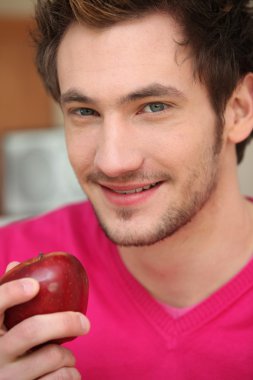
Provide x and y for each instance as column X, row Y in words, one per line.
column 129, row 199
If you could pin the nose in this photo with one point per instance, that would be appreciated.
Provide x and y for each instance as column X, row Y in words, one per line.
column 118, row 150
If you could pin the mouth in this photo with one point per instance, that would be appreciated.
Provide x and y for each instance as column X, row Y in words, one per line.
column 136, row 189
column 129, row 195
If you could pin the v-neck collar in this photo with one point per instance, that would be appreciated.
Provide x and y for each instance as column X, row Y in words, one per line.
column 196, row 317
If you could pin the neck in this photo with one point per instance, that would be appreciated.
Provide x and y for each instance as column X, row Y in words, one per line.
column 198, row 259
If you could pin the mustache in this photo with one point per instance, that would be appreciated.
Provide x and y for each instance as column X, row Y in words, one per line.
column 150, row 177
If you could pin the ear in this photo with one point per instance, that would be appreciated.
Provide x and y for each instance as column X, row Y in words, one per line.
column 239, row 112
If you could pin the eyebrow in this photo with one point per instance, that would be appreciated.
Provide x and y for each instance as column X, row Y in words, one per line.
column 156, row 89
column 73, row 95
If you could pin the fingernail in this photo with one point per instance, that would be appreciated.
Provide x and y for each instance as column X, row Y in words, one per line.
column 84, row 323
column 28, row 285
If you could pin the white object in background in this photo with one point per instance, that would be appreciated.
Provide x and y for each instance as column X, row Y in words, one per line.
column 37, row 174
column 245, row 170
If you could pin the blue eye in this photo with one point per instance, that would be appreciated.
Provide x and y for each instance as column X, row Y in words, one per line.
column 155, row 107
column 85, row 112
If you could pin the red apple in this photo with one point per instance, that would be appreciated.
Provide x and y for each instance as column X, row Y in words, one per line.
column 63, row 287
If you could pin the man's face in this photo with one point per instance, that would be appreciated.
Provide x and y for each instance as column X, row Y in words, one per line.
column 141, row 133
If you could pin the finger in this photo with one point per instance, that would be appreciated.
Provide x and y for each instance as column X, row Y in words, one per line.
column 40, row 329
column 18, row 291
column 2, row 330
column 44, row 362
column 63, row 373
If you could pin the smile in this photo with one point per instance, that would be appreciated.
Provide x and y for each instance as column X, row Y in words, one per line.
column 137, row 190
column 129, row 195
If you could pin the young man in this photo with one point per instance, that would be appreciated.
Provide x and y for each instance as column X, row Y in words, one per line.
column 157, row 98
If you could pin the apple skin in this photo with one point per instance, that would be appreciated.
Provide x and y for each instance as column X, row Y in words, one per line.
column 63, row 287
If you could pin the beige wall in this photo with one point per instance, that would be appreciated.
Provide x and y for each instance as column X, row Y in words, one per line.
column 17, row 7
column 23, row 8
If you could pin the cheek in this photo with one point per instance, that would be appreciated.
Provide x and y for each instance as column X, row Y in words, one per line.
column 81, row 151
column 172, row 148
column 185, row 155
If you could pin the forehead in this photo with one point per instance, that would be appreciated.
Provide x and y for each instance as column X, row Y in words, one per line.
column 137, row 50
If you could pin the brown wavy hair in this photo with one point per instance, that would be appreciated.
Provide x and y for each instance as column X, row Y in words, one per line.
column 219, row 33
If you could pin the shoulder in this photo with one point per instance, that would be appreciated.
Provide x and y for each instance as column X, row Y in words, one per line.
column 52, row 220
column 73, row 228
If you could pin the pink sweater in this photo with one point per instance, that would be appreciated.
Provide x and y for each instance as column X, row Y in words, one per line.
column 132, row 336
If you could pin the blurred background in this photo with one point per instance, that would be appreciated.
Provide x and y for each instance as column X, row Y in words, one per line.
column 35, row 175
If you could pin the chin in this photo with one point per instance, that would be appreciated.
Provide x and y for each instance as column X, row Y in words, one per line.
column 126, row 236
column 128, row 228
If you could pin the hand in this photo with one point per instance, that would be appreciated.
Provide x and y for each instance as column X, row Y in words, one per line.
column 18, row 358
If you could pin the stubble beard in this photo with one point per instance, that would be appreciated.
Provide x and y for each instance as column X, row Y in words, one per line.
column 176, row 216
column 173, row 220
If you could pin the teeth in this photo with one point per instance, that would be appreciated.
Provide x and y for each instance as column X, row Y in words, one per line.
column 138, row 190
